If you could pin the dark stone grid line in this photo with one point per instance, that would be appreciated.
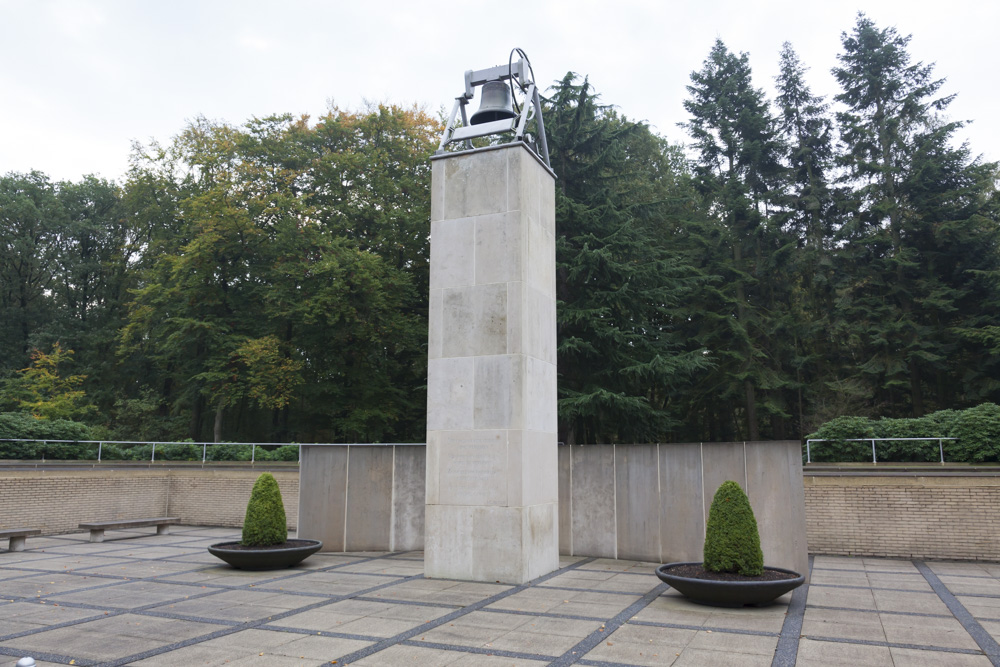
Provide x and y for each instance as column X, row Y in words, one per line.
column 65, row 624
column 48, row 555
column 872, row 642
column 414, row 603
column 38, row 572
column 247, row 625
column 319, row 633
column 880, row 611
column 478, row 650
column 873, row 588
column 458, row 613
column 150, row 609
column 593, row 639
column 49, row 657
column 710, row 628
column 142, row 610
column 968, row 621
column 546, row 614
column 787, row 650
column 964, row 576
column 84, row 589
column 634, row 574
column 588, row 590
column 602, row 663
column 862, row 571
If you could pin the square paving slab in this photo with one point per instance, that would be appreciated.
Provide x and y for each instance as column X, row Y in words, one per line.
column 144, row 599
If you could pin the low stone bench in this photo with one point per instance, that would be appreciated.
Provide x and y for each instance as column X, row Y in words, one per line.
column 97, row 528
column 17, row 536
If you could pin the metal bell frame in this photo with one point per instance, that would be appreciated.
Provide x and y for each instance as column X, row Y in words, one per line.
column 517, row 73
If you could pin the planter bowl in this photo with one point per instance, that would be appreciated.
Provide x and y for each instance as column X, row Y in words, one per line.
column 730, row 593
column 265, row 558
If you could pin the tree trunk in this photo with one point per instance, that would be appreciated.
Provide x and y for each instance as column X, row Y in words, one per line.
column 753, row 433
column 217, row 429
column 196, row 418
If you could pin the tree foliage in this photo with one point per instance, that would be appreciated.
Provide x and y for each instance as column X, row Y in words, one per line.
column 45, row 391
column 621, row 197
column 800, row 260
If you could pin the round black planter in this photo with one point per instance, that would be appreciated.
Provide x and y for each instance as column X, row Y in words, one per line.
column 729, row 593
column 265, row 558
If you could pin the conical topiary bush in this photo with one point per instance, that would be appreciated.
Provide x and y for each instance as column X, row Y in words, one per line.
column 265, row 523
column 732, row 543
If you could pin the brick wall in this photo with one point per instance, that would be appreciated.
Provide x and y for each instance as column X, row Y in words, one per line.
column 906, row 516
column 56, row 501
column 916, row 516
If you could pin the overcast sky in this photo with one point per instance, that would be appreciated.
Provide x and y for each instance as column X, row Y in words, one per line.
column 81, row 79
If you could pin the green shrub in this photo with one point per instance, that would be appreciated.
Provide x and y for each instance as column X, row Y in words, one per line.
column 127, row 452
column 265, row 523
column 178, row 453
column 732, row 543
column 978, row 433
column 282, row 453
column 838, row 432
column 20, row 425
column 229, row 452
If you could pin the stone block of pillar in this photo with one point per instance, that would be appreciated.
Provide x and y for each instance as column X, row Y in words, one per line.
column 492, row 472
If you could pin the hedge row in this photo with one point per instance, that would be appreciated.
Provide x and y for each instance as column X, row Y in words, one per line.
column 976, row 432
column 19, row 426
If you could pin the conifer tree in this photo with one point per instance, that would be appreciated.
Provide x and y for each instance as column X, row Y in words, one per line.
column 807, row 214
column 738, row 171
column 622, row 290
column 918, row 216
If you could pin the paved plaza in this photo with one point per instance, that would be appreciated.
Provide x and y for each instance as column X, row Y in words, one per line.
column 143, row 599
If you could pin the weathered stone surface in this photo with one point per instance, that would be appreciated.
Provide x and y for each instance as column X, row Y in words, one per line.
column 565, row 502
column 593, row 489
column 682, row 508
column 777, row 495
column 323, row 495
column 408, row 497
column 450, row 383
column 492, row 478
column 506, row 544
column 722, row 461
column 369, row 507
column 637, row 503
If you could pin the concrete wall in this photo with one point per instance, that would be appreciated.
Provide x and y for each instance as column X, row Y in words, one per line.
column 917, row 515
column 650, row 502
column 911, row 515
column 363, row 497
column 56, row 501
column 643, row 502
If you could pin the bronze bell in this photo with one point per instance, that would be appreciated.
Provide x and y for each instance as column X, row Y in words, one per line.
column 495, row 105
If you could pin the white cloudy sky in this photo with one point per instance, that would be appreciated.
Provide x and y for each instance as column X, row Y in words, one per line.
column 81, row 79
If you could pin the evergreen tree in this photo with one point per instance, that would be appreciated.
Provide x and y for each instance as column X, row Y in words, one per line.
column 918, row 211
column 621, row 196
column 739, row 172
column 807, row 215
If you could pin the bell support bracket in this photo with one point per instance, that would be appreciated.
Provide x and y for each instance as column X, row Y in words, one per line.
column 531, row 109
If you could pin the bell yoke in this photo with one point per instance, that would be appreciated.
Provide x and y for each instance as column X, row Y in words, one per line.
column 499, row 111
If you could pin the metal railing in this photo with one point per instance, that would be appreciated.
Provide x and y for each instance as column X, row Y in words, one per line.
column 152, row 457
column 204, row 447
column 940, row 442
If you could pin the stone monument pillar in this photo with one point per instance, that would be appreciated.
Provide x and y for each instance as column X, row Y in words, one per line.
column 491, row 504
